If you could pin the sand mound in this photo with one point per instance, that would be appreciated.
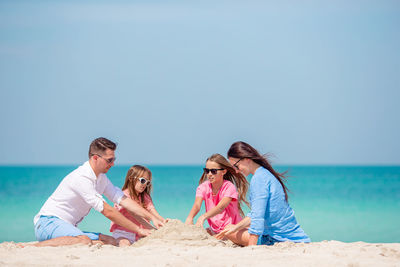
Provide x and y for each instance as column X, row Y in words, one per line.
column 175, row 232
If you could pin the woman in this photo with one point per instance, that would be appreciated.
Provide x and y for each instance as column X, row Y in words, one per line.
column 271, row 219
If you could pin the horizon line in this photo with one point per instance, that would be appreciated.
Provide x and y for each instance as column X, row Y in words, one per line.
column 201, row 164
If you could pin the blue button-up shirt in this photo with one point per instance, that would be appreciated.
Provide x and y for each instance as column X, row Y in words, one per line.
column 270, row 213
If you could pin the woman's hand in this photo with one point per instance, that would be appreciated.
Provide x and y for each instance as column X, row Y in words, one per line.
column 200, row 221
column 253, row 239
column 229, row 229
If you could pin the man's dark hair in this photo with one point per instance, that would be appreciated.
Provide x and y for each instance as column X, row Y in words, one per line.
column 101, row 144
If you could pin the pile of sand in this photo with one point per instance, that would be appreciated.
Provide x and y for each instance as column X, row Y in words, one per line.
column 176, row 232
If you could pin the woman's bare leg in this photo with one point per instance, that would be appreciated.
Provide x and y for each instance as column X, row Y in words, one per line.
column 240, row 237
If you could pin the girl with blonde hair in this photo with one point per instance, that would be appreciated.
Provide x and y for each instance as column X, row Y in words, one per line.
column 138, row 186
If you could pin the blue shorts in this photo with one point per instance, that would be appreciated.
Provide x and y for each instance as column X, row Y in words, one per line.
column 266, row 240
column 48, row 227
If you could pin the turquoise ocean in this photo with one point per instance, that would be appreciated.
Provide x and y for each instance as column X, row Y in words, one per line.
column 345, row 203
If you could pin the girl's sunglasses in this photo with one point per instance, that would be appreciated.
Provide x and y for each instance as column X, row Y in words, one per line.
column 213, row 171
column 144, row 181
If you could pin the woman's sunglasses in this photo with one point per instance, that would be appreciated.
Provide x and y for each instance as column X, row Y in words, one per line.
column 213, row 171
column 144, row 181
column 235, row 165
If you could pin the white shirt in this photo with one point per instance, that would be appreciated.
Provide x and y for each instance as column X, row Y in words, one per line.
column 77, row 193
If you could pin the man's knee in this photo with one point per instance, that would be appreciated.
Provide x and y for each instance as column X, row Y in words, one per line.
column 83, row 239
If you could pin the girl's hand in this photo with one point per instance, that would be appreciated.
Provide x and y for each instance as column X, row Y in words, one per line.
column 200, row 221
column 189, row 221
column 144, row 232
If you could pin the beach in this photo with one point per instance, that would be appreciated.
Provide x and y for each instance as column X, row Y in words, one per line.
column 298, row 96
column 346, row 204
column 177, row 244
column 341, row 203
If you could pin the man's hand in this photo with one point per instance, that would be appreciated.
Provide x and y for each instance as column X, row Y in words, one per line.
column 144, row 232
column 157, row 222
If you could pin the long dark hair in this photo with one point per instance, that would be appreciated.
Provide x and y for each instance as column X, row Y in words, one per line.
column 231, row 175
column 242, row 150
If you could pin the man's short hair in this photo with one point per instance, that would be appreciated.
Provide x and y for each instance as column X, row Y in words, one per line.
column 101, row 144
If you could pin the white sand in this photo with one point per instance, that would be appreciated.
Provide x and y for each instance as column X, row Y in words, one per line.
column 177, row 244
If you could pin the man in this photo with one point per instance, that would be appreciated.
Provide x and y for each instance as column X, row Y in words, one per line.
column 56, row 223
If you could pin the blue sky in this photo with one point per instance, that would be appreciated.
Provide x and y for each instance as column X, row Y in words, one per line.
column 313, row 82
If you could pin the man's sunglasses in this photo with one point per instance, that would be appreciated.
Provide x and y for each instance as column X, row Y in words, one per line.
column 144, row 181
column 109, row 161
column 213, row 171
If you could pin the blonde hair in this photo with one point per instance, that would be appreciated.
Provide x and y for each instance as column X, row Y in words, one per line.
column 231, row 175
column 132, row 176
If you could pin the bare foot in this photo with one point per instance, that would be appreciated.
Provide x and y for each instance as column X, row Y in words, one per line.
column 22, row 244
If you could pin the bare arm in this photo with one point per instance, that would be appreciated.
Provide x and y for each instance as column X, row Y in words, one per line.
column 117, row 217
column 214, row 211
column 139, row 212
column 195, row 209
column 243, row 223
column 142, row 221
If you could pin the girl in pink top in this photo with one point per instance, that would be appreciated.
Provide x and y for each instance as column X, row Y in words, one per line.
column 223, row 190
column 137, row 187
